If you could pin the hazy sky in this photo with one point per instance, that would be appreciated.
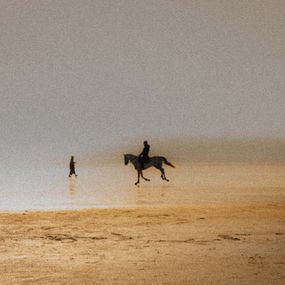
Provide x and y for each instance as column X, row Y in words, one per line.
column 78, row 75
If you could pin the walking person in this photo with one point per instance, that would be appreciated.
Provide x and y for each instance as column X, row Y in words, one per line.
column 72, row 167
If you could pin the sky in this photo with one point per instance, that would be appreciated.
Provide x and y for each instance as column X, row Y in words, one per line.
column 78, row 76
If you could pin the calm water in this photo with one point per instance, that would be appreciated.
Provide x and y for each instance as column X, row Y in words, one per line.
column 113, row 186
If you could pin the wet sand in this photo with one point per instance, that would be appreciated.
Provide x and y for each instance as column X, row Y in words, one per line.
column 208, row 244
column 113, row 186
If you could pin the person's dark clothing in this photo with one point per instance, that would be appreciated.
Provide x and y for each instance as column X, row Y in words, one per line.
column 143, row 157
column 145, row 151
column 72, row 167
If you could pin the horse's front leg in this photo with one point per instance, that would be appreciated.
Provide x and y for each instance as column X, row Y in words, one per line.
column 146, row 179
column 138, row 179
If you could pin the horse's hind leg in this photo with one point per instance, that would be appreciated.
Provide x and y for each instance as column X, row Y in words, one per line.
column 163, row 174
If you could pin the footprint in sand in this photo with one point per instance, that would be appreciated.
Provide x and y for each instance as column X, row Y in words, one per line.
column 228, row 237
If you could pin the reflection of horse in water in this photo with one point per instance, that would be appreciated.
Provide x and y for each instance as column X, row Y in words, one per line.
column 155, row 161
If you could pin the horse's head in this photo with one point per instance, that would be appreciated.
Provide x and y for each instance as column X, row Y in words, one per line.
column 126, row 159
column 129, row 157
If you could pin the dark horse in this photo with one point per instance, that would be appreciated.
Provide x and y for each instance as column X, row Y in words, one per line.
column 155, row 161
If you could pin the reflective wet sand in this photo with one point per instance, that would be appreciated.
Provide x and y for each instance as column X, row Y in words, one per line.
column 113, row 186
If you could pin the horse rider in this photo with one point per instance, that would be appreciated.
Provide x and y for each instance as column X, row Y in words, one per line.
column 72, row 166
column 143, row 157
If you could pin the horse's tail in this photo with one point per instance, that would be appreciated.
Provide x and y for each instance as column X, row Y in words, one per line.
column 167, row 162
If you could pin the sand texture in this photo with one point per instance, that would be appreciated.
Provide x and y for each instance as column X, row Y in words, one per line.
column 233, row 244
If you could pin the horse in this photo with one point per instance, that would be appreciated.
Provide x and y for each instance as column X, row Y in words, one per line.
column 155, row 161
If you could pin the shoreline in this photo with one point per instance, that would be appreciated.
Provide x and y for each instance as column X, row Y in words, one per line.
column 215, row 204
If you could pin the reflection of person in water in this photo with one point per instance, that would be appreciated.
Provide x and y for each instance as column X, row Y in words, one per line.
column 72, row 166
column 72, row 187
column 143, row 157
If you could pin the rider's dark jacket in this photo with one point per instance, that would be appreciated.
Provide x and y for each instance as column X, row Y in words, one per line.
column 145, row 151
column 144, row 154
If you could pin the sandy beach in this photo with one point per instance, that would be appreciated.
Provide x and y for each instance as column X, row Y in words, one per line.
column 230, row 244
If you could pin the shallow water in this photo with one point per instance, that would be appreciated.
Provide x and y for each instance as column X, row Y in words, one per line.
column 113, row 186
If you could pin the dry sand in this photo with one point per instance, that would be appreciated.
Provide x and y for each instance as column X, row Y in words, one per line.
column 232, row 244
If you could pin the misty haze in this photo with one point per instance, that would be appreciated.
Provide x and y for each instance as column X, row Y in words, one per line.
column 142, row 142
